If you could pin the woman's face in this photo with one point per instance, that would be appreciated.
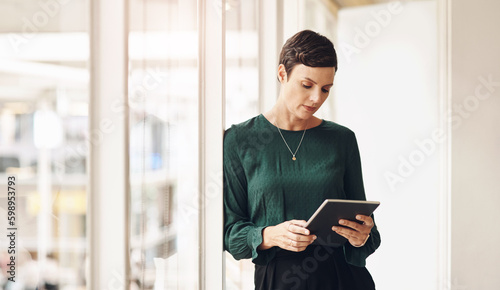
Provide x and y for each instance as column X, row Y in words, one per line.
column 306, row 88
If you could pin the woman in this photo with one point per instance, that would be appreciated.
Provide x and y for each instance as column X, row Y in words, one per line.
column 280, row 166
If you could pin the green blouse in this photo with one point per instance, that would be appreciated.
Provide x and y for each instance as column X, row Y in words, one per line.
column 263, row 186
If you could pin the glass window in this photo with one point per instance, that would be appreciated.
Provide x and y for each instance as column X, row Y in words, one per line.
column 163, row 99
column 242, row 71
column 242, row 98
column 44, row 140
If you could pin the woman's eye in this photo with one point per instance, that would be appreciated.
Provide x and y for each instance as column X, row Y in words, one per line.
column 306, row 86
column 324, row 90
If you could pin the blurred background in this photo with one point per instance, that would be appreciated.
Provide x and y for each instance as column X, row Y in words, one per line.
column 417, row 83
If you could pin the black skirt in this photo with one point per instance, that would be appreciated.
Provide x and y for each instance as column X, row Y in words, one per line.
column 317, row 267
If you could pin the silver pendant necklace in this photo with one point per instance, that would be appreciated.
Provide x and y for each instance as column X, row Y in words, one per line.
column 293, row 153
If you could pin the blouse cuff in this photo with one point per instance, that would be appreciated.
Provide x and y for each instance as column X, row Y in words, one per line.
column 254, row 239
column 355, row 256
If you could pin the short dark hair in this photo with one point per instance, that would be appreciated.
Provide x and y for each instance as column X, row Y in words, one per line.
column 308, row 48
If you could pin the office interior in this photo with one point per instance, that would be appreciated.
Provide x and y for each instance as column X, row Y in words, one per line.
column 112, row 115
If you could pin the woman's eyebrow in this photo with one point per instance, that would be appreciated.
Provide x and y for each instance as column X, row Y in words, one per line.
column 317, row 83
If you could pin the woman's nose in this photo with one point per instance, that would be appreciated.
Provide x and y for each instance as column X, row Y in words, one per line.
column 315, row 97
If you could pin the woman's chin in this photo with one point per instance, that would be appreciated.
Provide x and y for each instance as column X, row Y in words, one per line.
column 306, row 114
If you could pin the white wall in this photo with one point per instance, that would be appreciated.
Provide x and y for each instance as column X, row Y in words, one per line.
column 475, row 156
column 386, row 91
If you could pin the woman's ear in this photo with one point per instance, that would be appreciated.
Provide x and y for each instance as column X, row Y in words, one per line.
column 282, row 77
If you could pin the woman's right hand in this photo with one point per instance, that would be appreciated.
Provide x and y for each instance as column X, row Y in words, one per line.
column 290, row 235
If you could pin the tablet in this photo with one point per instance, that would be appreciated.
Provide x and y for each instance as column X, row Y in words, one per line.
column 330, row 212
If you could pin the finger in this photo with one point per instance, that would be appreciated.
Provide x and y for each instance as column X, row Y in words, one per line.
column 346, row 232
column 351, row 235
column 298, row 244
column 301, row 238
column 298, row 229
column 367, row 220
column 353, row 225
column 292, row 245
column 301, row 223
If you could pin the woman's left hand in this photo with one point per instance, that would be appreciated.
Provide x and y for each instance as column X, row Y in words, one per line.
column 356, row 233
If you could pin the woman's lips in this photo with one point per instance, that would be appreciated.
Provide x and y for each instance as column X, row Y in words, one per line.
column 310, row 109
